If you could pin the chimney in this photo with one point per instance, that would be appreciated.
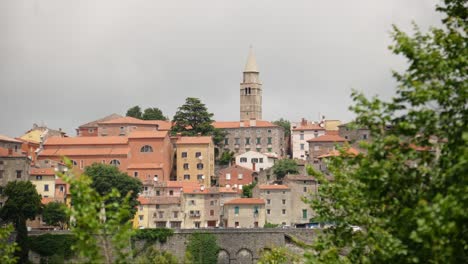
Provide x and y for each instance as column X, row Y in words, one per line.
column 253, row 166
column 253, row 122
column 303, row 122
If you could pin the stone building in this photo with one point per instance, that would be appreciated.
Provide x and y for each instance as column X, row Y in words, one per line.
column 244, row 213
column 159, row 212
column 256, row 135
column 301, row 186
column 278, row 203
column 14, row 164
column 251, row 91
column 354, row 135
column 201, row 206
column 126, row 125
column 90, row 129
column 300, row 133
column 195, row 159
column 323, row 145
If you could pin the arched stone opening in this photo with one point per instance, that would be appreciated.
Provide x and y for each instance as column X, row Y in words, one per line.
column 244, row 256
column 223, row 257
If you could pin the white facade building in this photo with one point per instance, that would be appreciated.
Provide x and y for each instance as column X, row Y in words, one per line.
column 255, row 160
column 300, row 133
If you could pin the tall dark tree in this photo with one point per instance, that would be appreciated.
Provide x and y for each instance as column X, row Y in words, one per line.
column 409, row 192
column 153, row 113
column 135, row 112
column 283, row 167
column 105, row 177
column 23, row 203
column 193, row 118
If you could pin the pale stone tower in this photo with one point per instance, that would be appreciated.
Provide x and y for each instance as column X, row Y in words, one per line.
column 251, row 91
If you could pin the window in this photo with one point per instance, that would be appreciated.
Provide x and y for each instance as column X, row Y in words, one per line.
column 283, row 211
column 184, row 154
column 140, row 217
column 186, row 176
column 115, row 163
column 305, row 189
column 270, row 149
column 284, row 201
column 243, row 160
column 176, row 224
column 157, row 206
column 200, row 166
column 254, row 160
column 259, row 149
column 62, row 188
column 228, row 176
column 146, row 148
column 18, row 174
column 197, row 224
column 135, row 174
column 186, row 167
column 192, row 202
column 175, row 214
column 171, row 193
column 212, row 202
column 1, row 162
column 240, row 176
column 236, row 210
column 269, row 131
column 304, row 213
column 158, row 193
column 161, row 214
column 364, row 136
column 268, row 211
column 200, row 177
column 302, row 136
column 268, row 192
column 268, row 201
column 346, row 137
column 236, row 141
column 316, row 148
column 197, row 154
column 39, row 177
column 236, row 224
column 226, row 141
column 269, row 140
column 247, row 141
column 260, row 160
column 46, row 187
column 211, row 212
column 259, row 141
column 302, row 146
column 90, row 130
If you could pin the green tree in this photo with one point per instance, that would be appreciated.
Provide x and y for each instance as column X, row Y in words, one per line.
column 278, row 255
column 106, row 177
column 409, row 192
column 135, row 112
column 101, row 223
column 193, row 118
column 247, row 190
column 23, row 203
column 153, row 113
column 202, row 248
column 55, row 214
column 283, row 167
column 7, row 249
column 226, row 157
column 284, row 124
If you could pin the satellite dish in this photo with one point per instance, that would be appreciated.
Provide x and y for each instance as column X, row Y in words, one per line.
column 155, row 178
column 203, row 176
column 200, row 157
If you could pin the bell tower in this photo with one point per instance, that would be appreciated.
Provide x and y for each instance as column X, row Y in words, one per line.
column 251, row 91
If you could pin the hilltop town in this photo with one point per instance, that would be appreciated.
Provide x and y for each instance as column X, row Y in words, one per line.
column 185, row 183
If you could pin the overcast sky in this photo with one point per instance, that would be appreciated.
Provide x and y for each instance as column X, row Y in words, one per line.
column 64, row 63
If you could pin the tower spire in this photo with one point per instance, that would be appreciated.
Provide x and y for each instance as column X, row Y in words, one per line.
column 251, row 65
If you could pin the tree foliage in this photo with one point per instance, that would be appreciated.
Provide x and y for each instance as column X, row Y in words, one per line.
column 278, row 255
column 55, row 214
column 202, row 248
column 283, row 167
column 193, row 118
column 153, row 113
column 284, row 124
column 53, row 245
column 153, row 256
column 135, row 112
column 106, row 177
column 247, row 190
column 23, row 203
column 409, row 192
column 226, row 157
column 101, row 223
column 7, row 248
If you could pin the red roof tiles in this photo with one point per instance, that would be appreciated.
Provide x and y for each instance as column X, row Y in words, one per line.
column 327, row 138
column 111, row 151
column 42, row 171
column 86, row 140
column 9, row 139
column 195, row 140
column 162, row 125
column 308, row 127
column 148, row 134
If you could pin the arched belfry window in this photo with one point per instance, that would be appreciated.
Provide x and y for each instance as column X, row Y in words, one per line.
column 250, row 92
column 245, row 90
column 146, row 148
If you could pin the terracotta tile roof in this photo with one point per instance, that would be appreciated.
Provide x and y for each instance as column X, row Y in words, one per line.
column 308, row 127
column 42, row 171
column 236, row 124
column 8, row 139
column 273, row 187
column 110, row 151
column 195, row 140
column 332, row 132
column 5, row 153
column 235, row 167
column 327, row 138
column 229, row 190
column 335, row 153
column 104, row 119
column 148, row 134
column 246, row 201
column 163, row 125
column 144, row 166
column 158, row 200
column 86, row 140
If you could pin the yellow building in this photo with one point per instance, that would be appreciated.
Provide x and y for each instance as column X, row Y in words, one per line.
column 44, row 180
column 195, row 159
column 332, row 124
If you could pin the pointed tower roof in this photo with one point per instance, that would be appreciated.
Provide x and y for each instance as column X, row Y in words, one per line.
column 251, row 65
